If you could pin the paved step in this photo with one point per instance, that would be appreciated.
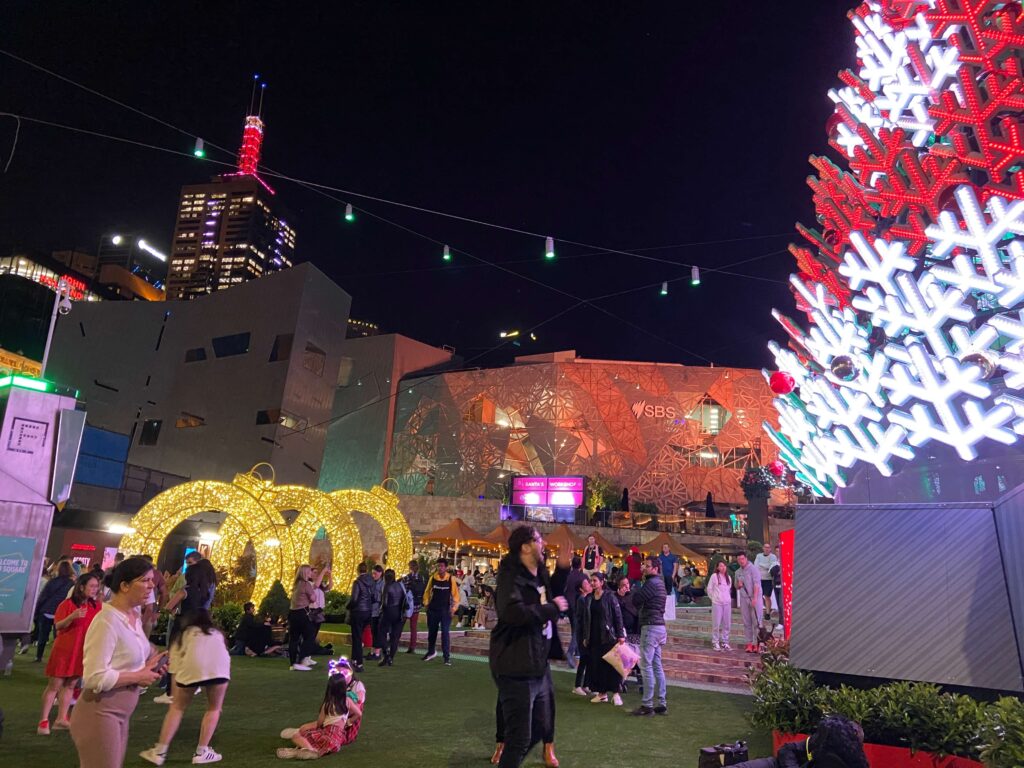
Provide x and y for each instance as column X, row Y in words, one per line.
column 726, row 670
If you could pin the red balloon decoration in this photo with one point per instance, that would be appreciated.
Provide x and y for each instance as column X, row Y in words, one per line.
column 782, row 383
column 777, row 468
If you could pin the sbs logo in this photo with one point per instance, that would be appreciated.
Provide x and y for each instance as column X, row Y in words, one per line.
column 641, row 409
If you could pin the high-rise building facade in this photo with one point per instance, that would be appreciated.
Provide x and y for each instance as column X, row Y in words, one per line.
column 231, row 229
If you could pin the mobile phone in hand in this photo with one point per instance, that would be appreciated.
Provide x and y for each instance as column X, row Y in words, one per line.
column 161, row 665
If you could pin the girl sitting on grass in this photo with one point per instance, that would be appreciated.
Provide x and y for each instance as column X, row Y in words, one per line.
column 338, row 723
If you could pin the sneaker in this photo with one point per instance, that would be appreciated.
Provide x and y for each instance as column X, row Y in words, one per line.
column 309, row 661
column 287, row 753
column 207, row 755
column 642, row 711
column 447, row 662
column 299, row 668
column 357, row 666
column 43, row 729
column 306, row 754
column 726, row 647
column 579, row 691
column 716, row 646
column 287, row 733
column 661, row 709
column 152, row 756
column 410, row 650
column 430, row 656
column 601, row 698
column 617, row 700
column 61, row 725
column 23, row 650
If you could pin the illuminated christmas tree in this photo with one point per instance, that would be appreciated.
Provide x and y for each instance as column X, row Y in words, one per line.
column 912, row 283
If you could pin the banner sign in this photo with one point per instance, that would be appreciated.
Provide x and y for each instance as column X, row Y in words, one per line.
column 15, row 561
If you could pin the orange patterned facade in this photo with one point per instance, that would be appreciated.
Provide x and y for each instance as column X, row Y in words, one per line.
column 671, row 433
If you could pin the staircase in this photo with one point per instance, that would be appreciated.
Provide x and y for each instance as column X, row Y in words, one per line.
column 688, row 657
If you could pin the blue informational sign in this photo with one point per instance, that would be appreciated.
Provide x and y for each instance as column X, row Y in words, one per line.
column 15, row 562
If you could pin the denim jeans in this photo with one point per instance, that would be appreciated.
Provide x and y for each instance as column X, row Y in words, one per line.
column 652, row 638
column 439, row 620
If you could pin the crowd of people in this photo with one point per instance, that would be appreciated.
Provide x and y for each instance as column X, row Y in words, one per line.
column 102, row 658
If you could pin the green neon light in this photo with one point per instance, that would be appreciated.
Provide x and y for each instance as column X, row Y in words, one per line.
column 25, row 382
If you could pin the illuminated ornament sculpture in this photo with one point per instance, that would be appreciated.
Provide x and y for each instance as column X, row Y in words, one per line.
column 254, row 510
column 913, row 288
column 781, row 383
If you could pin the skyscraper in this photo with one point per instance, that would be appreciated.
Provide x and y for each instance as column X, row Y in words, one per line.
column 230, row 230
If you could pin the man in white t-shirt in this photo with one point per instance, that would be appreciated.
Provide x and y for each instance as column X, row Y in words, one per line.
column 765, row 561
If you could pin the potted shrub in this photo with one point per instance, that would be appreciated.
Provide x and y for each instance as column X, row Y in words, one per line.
column 335, row 610
column 276, row 603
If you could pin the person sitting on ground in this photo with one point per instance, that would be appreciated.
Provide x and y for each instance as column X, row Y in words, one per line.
column 695, row 589
column 837, row 742
column 341, row 715
column 254, row 636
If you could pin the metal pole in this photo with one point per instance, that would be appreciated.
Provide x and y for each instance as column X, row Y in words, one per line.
column 61, row 287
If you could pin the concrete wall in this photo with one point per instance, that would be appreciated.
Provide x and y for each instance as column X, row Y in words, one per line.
column 128, row 361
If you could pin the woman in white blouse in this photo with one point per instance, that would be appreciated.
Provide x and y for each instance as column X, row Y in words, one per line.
column 118, row 660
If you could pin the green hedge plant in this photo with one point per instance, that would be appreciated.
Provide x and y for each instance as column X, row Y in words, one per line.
column 917, row 716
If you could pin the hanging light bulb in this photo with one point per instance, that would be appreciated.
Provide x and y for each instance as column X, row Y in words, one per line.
column 349, row 214
column 664, row 288
column 200, row 149
column 447, row 254
column 549, row 248
column 694, row 275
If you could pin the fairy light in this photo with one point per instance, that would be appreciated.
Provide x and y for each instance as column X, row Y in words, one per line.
column 253, row 507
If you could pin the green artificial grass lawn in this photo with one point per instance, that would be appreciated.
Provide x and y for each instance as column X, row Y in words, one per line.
column 417, row 714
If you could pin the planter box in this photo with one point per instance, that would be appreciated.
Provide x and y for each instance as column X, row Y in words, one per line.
column 880, row 756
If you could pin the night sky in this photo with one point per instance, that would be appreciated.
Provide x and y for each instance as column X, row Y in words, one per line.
column 623, row 125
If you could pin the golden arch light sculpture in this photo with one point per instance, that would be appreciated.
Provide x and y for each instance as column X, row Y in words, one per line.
column 254, row 510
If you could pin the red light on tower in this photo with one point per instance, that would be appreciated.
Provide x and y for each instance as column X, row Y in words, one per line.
column 252, row 142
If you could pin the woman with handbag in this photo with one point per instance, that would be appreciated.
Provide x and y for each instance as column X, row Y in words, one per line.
column 300, row 626
column 630, row 620
column 602, row 630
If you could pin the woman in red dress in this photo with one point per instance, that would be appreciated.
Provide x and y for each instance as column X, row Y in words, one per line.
column 64, row 668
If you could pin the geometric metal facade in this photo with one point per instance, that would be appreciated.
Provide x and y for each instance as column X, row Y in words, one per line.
column 670, row 433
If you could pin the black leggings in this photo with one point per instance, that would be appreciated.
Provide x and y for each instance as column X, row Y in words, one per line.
column 390, row 631
column 300, row 629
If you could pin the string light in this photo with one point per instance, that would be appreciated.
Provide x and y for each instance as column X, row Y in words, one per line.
column 549, row 248
column 664, row 288
column 349, row 214
column 447, row 254
column 200, row 149
column 695, row 275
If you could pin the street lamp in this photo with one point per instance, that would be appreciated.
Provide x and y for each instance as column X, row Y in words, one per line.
column 61, row 305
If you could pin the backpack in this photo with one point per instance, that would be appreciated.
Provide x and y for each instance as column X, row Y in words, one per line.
column 408, row 604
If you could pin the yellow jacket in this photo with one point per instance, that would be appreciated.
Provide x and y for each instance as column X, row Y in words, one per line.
column 448, row 582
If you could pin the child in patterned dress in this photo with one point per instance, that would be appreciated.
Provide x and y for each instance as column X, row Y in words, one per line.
column 338, row 723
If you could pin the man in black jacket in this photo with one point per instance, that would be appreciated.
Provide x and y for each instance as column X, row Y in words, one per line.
column 521, row 644
column 416, row 584
column 361, row 602
column 650, row 600
column 572, row 594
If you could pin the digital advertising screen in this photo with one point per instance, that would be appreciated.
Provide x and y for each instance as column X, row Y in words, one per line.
column 547, row 491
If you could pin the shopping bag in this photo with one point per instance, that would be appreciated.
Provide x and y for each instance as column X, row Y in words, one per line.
column 723, row 754
column 623, row 657
column 670, row 607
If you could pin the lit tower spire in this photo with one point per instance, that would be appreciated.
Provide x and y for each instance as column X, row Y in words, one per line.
column 252, row 136
column 252, row 142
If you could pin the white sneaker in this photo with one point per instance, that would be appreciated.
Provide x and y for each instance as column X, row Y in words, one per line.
column 306, row 754
column 163, row 698
column 430, row 656
column 726, row 647
column 299, row 668
column 617, row 700
column 152, row 756
column 287, row 733
column 287, row 753
column 308, row 661
column 716, row 646
column 579, row 691
column 206, row 756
